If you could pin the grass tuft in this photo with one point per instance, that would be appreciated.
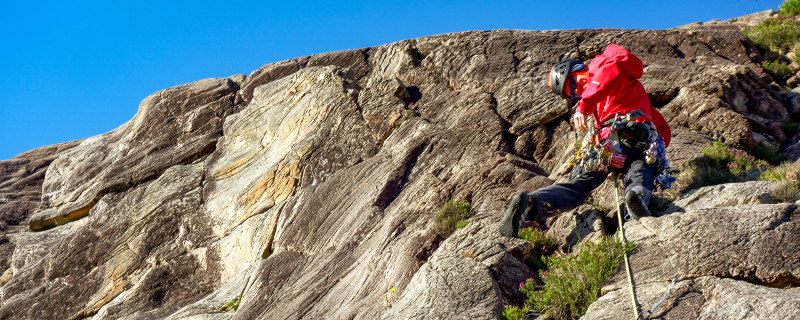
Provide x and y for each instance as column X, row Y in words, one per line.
column 787, row 192
column 789, row 173
column 451, row 215
column 233, row 305
column 598, row 206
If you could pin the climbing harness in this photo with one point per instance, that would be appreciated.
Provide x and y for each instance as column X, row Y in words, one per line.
column 624, row 243
column 603, row 149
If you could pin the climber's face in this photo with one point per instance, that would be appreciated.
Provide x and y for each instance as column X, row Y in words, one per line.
column 582, row 78
column 575, row 84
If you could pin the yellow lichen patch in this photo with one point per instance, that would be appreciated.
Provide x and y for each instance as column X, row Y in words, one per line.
column 116, row 280
column 275, row 187
column 233, row 168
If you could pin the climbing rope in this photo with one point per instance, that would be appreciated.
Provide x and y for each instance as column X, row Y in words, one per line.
column 645, row 314
column 624, row 243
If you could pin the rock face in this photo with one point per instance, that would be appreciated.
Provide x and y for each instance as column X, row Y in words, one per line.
column 308, row 189
column 738, row 263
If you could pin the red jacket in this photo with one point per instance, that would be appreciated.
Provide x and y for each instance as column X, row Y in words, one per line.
column 614, row 88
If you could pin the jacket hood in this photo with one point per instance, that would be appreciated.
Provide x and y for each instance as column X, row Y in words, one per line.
column 632, row 64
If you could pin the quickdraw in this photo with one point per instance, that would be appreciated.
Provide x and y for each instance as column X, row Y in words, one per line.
column 601, row 150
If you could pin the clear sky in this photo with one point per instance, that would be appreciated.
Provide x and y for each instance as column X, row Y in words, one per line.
column 76, row 69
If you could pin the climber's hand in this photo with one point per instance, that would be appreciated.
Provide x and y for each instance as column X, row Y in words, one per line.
column 580, row 122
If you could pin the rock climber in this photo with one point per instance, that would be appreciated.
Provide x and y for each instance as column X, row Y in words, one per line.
column 628, row 137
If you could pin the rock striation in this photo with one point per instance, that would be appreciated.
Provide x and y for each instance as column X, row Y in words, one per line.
column 308, row 189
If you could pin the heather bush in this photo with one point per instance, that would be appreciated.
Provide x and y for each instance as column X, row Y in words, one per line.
column 572, row 281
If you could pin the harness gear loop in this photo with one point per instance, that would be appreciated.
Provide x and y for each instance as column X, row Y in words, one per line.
column 624, row 242
column 602, row 147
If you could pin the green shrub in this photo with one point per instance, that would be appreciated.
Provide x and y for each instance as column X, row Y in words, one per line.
column 779, row 70
column 543, row 244
column 790, row 127
column 737, row 161
column 448, row 217
column 775, row 34
column 719, row 164
column 790, row 8
column 572, row 281
column 462, row 224
column 770, row 153
column 515, row 313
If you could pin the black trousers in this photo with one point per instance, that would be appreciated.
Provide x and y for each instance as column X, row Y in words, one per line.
column 561, row 197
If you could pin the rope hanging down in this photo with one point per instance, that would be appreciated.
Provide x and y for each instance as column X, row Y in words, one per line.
column 627, row 263
column 645, row 314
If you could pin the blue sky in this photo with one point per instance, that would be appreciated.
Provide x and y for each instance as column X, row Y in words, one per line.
column 75, row 70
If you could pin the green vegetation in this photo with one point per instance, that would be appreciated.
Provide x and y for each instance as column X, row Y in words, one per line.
column 779, row 70
column 233, row 305
column 790, row 127
column 776, row 37
column 719, row 164
column 462, row 224
column 787, row 192
column 789, row 173
column 790, row 8
column 451, row 215
column 543, row 244
column 770, row 153
column 515, row 313
column 572, row 281
column 598, row 206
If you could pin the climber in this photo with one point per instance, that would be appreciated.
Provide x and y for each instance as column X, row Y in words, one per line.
column 629, row 137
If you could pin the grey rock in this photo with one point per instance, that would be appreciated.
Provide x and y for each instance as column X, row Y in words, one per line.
column 584, row 223
column 725, row 195
column 173, row 126
column 705, row 297
column 748, row 242
column 467, row 277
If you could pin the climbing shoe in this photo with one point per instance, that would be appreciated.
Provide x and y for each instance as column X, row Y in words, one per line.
column 636, row 207
column 515, row 215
